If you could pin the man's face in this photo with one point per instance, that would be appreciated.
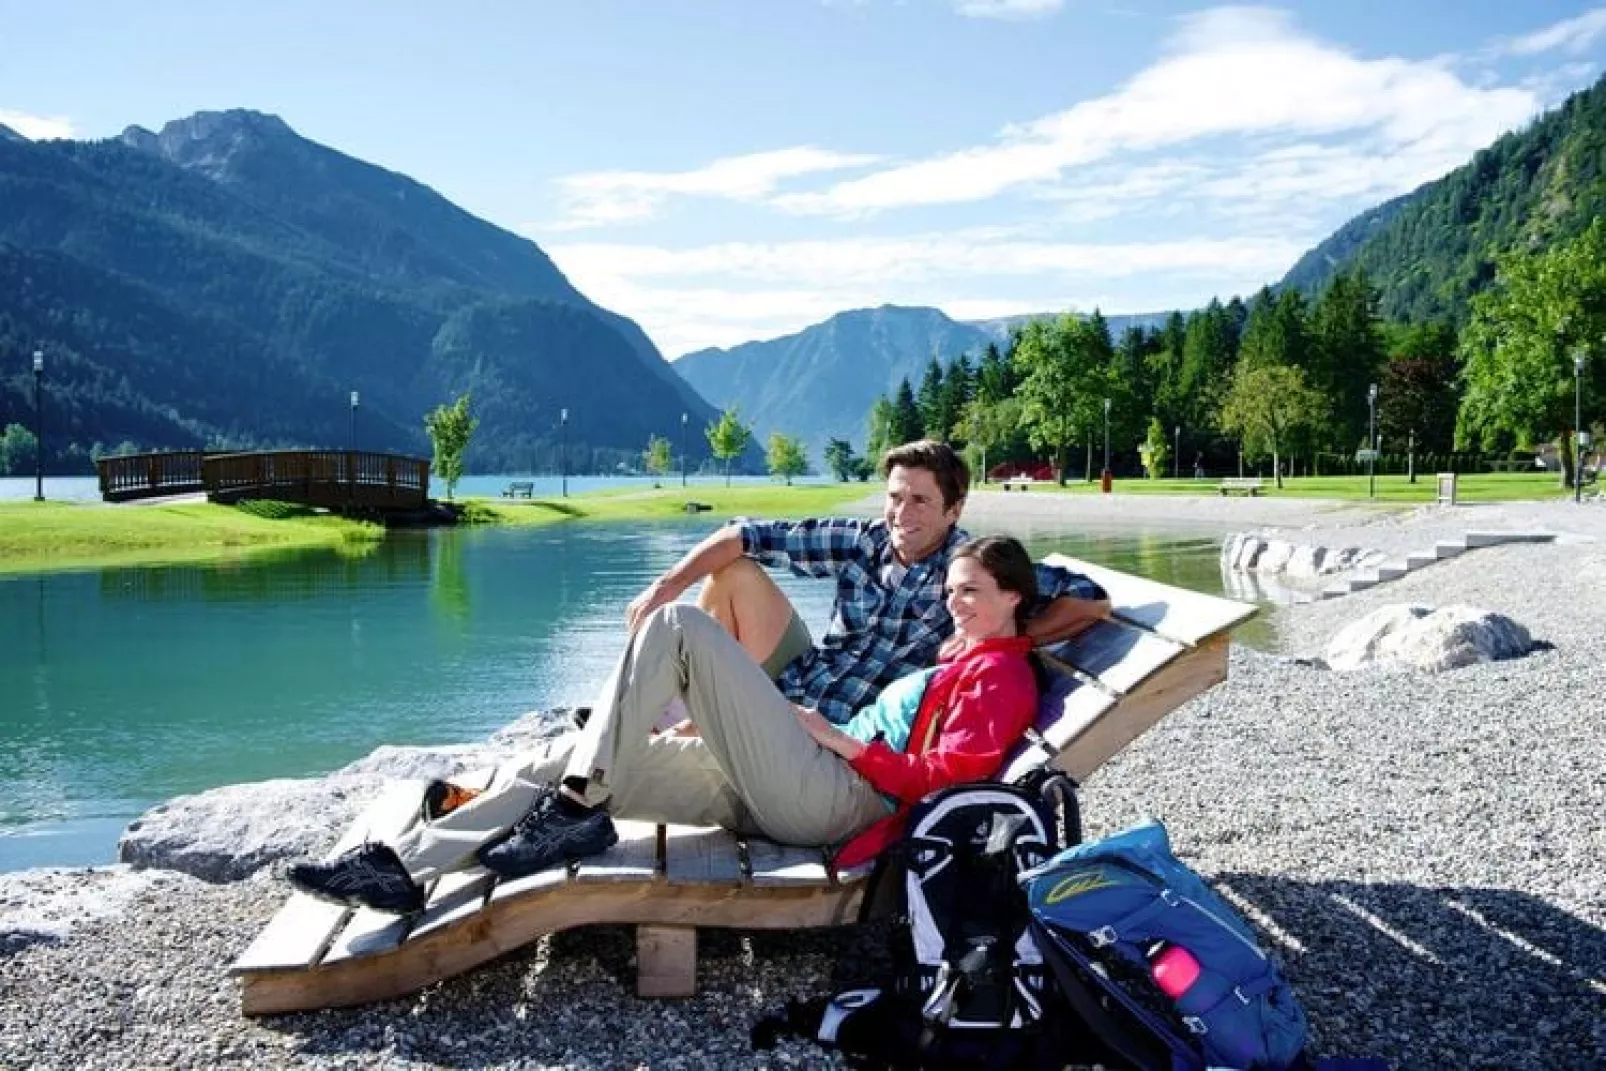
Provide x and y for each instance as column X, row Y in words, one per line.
column 915, row 514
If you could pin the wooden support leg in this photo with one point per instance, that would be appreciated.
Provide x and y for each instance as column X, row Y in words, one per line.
column 666, row 961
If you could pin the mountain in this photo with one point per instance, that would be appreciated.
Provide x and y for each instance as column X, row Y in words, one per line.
column 226, row 282
column 1431, row 250
column 819, row 384
column 1003, row 326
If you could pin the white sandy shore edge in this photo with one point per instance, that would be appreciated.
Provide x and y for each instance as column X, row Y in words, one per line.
column 1424, row 852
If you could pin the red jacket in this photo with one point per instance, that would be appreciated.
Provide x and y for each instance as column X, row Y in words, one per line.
column 973, row 711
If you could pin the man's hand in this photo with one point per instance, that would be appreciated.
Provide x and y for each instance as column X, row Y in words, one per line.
column 658, row 593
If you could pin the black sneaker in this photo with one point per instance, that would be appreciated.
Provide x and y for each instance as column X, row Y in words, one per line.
column 371, row 875
column 556, row 832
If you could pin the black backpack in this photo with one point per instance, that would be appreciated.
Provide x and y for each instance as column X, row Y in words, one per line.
column 969, row 988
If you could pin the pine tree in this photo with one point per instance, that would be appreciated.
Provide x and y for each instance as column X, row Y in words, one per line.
column 907, row 425
column 930, row 401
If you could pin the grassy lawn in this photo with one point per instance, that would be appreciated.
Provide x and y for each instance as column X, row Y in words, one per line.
column 1471, row 487
column 48, row 536
column 630, row 504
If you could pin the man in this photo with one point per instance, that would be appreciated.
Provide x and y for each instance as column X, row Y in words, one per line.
column 889, row 619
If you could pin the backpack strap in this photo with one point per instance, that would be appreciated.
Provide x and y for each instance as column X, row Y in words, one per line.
column 1111, row 932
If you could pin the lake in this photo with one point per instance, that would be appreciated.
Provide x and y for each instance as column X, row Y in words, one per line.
column 124, row 687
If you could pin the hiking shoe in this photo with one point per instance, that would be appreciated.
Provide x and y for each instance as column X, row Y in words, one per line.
column 370, row 875
column 554, row 833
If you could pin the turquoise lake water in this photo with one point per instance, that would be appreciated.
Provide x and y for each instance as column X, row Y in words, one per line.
column 125, row 687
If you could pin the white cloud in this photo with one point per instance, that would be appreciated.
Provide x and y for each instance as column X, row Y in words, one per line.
column 1227, row 72
column 722, row 294
column 37, row 127
column 604, row 197
column 1569, row 35
column 1007, row 9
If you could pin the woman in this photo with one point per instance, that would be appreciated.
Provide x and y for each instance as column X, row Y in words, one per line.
column 758, row 764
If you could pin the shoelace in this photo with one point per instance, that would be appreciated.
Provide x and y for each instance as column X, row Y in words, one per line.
column 538, row 811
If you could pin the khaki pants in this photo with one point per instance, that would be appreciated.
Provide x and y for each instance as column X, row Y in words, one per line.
column 753, row 769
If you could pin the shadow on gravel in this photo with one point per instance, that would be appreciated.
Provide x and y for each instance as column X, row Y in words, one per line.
column 1436, row 977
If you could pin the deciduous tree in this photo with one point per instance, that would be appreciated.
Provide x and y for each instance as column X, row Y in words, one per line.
column 1266, row 404
column 450, row 429
column 786, row 457
column 727, row 438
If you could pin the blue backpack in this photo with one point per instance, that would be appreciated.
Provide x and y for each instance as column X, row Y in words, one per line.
column 1100, row 909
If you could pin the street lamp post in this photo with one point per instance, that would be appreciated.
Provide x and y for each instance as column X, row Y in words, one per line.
column 563, row 448
column 1371, row 441
column 1410, row 455
column 352, row 442
column 1578, row 426
column 1176, row 453
column 38, row 427
column 683, row 458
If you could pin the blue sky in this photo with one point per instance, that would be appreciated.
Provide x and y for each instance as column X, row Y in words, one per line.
column 724, row 170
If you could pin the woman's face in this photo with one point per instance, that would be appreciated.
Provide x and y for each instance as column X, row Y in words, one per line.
column 980, row 608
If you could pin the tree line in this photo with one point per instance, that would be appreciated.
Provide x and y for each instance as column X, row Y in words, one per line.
column 1302, row 385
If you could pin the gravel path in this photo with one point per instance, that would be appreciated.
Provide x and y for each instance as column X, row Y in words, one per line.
column 1424, row 851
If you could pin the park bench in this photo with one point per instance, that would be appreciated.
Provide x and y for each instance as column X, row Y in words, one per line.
column 1021, row 483
column 1160, row 646
column 519, row 489
column 1241, row 485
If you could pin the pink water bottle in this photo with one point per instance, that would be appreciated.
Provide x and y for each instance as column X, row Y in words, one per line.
column 1174, row 969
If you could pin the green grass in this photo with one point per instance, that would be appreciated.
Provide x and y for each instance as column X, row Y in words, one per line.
column 1471, row 487
column 49, row 536
column 634, row 504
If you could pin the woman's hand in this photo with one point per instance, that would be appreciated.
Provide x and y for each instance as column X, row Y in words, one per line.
column 827, row 735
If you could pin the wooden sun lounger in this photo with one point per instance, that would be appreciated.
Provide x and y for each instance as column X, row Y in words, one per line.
column 1162, row 646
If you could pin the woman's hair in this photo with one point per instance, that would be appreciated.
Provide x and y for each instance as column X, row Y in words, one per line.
column 1007, row 562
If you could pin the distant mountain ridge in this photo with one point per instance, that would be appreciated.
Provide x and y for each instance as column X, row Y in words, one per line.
column 226, row 282
column 819, row 383
column 1430, row 251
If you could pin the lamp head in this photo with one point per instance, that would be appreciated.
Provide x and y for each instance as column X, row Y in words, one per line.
column 1578, row 363
column 563, row 416
column 354, row 399
column 683, row 420
column 1371, row 393
column 1106, row 407
column 38, row 361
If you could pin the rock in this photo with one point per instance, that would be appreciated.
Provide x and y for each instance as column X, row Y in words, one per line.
column 1274, row 559
column 230, row 833
column 1306, row 562
column 1426, row 638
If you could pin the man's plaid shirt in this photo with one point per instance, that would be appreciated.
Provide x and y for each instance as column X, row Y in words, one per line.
column 877, row 634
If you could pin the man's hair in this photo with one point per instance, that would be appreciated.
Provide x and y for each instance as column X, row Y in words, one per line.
column 1007, row 562
column 939, row 459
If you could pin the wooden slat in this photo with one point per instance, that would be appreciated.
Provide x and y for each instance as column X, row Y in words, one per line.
column 1096, row 740
column 634, row 858
column 1188, row 617
column 305, row 926
column 774, row 864
column 700, row 855
column 369, row 931
column 456, row 896
column 666, row 961
column 546, row 879
column 1118, row 655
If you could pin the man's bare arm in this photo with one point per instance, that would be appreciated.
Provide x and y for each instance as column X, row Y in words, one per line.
column 1065, row 617
column 720, row 549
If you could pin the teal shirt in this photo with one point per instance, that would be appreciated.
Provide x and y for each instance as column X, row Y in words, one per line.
column 892, row 716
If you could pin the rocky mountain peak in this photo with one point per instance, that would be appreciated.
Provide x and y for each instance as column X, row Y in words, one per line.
column 209, row 141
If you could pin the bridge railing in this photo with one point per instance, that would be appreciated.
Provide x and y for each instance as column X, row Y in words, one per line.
column 332, row 478
column 129, row 476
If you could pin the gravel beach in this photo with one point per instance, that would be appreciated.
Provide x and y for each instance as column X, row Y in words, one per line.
column 1424, row 851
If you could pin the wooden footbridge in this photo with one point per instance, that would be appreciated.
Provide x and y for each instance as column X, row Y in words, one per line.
column 347, row 480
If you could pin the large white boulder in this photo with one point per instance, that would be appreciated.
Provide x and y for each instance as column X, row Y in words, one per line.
column 229, row 833
column 1427, row 638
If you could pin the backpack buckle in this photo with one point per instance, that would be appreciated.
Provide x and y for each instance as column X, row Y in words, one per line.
column 1103, row 936
column 1170, row 898
column 1195, row 1024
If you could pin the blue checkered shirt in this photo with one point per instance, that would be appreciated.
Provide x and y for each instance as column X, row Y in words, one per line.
column 877, row 634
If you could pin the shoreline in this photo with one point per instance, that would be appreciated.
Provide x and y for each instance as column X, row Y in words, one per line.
column 1421, row 849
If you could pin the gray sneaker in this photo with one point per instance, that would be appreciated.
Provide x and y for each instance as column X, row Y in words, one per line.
column 554, row 833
